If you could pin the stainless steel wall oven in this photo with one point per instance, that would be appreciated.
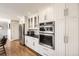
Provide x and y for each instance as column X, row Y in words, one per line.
column 47, row 34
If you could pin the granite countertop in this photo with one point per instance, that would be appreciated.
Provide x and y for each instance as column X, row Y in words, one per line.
column 35, row 36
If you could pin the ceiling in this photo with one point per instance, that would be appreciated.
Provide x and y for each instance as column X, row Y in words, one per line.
column 12, row 10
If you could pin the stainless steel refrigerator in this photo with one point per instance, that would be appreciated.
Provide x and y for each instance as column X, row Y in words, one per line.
column 22, row 34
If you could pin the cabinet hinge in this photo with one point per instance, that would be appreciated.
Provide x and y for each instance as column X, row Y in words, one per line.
column 66, row 12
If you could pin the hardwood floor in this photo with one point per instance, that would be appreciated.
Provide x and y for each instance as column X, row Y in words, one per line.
column 15, row 49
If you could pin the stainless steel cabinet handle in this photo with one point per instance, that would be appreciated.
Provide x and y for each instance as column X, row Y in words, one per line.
column 66, row 39
column 66, row 12
column 33, row 43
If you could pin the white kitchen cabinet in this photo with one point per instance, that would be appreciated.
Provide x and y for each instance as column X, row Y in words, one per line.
column 52, row 13
column 66, row 31
column 31, row 42
column 66, row 28
column 45, row 51
column 26, row 40
column 59, row 37
column 26, row 26
column 46, row 16
column 58, row 11
column 69, row 41
column 35, row 43
column 72, row 32
column 30, row 23
column 73, row 10
column 33, row 22
column 59, row 40
column 36, row 22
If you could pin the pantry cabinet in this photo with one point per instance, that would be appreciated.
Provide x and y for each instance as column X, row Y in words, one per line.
column 67, row 15
column 72, row 30
column 72, row 36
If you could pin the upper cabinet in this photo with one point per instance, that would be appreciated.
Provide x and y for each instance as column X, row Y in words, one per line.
column 28, row 23
column 33, row 22
column 58, row 11
column 62, row 10
column 36, row 21
column 46, row 15
column 72, row 9
column 54, row 12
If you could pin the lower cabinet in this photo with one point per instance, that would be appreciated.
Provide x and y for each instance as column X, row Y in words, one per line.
column 45, row 51
column 33, row 43
column 28, row 41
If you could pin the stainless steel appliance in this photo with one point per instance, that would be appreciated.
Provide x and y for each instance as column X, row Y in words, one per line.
column 22, row 34
column 47, row 34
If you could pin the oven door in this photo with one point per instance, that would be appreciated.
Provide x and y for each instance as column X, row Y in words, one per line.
column 47, row 40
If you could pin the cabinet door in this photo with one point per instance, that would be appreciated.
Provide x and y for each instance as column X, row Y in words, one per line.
column 26, row 26
column 72, row 9
column 35, row 44
column 58, row 11
column 59, row 37
column 72, row 33
column 29, row 23
column 26, row 40
column 36, row 21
